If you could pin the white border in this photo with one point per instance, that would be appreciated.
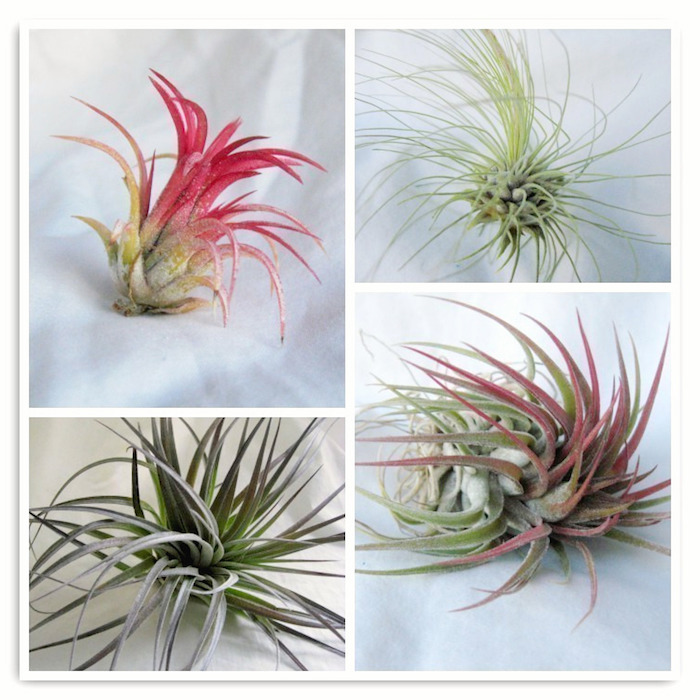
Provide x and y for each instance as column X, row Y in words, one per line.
column 608, row 13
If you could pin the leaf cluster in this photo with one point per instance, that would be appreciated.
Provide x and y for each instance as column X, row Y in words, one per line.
column 492, row 462
column 210, row 543
column 475, row 154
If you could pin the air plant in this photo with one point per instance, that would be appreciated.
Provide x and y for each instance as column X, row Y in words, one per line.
column 166, row 251
column 512, row 458
column 219, row 539
column 470, row 151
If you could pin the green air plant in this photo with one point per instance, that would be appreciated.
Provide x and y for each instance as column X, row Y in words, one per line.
column 472, row 161
column 220, row 538
column 513, row 458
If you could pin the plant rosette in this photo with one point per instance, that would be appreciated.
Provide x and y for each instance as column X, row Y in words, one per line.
column 529, row 457
column 481, row 159
column 166, row 250
column 206, row 529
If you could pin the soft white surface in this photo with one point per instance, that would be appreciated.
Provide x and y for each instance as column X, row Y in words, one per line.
column 404, row 622
column 61, row 446
column 604, row 67
column 285, row 84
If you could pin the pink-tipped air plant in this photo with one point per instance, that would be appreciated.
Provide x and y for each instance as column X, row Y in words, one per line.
column 166, row 251
column 512, row 458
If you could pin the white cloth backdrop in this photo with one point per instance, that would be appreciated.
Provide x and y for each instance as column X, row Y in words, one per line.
column 405, row 622
column 285, row 84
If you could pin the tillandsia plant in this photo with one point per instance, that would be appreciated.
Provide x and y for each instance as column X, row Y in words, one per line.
column 164, row 252
column 469, row 150
column 512, row 458
column 220, row 538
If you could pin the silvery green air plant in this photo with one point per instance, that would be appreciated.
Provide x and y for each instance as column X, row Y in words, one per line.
column 206, row 544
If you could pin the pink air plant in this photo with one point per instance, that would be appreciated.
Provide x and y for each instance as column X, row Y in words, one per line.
column 489, row 463
column 166, row 251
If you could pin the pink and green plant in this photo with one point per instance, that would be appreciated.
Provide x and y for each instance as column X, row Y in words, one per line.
column 488, row 463
column 164, row 252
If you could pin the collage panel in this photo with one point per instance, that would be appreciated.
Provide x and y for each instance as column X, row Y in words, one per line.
column 513, row 482
column 233, row 210
column 513, row 155
column 163, row 544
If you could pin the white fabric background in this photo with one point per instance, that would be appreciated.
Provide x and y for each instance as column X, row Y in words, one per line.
column 404, row 622
column 604, row 66
column 286, row 84
column 61, row 446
